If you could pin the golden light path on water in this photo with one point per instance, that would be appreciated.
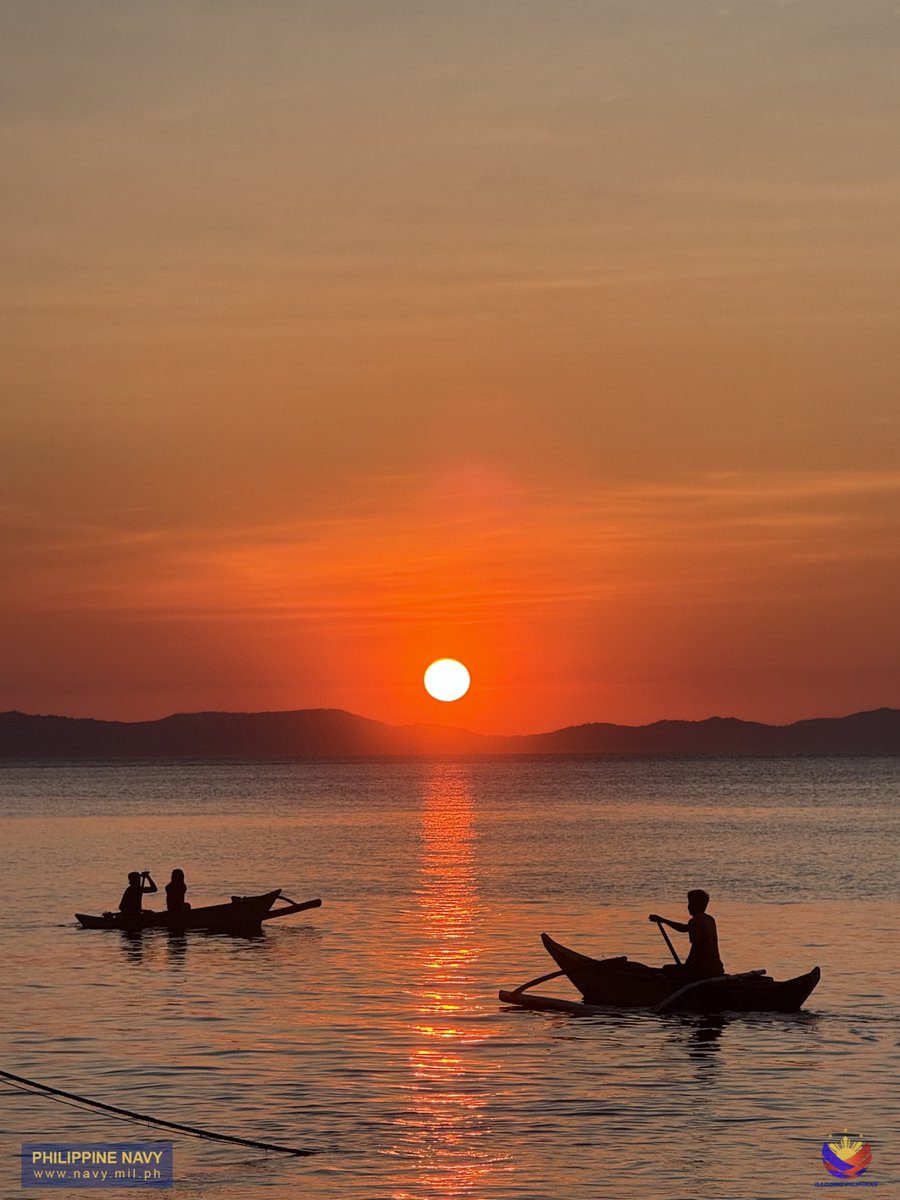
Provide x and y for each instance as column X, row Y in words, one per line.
column 448, row 1135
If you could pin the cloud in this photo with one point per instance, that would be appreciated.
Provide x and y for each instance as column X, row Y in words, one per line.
column 393, row 553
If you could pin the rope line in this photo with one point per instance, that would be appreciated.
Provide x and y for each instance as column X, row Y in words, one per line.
column 191, row 1130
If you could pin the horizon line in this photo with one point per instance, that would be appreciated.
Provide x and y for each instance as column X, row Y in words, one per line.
column 883, row 708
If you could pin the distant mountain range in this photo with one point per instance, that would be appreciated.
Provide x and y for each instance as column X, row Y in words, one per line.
column 332, row 733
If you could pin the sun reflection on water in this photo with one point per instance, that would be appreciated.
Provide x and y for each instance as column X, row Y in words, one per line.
column 447, row 1131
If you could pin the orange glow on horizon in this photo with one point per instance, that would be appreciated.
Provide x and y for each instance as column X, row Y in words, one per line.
column 686, row 601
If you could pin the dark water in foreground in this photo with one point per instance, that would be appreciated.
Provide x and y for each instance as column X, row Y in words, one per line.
column 370, row 1031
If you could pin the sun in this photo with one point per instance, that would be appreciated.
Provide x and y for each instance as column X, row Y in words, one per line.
column 447, row 680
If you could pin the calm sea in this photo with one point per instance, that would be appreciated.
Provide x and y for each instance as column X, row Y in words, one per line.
column 370, row 1030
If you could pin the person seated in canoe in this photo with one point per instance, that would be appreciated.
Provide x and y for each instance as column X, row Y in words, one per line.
column 176, row 890
column 139, row 885
column 703, row 962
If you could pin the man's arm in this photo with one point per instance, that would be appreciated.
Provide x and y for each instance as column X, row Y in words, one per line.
column 150, row 885
column 665, row 921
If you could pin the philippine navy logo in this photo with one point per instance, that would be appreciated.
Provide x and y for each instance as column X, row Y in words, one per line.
column 846, row 1157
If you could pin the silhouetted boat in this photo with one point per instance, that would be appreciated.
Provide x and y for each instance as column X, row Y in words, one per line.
column 620, row 983
column 243, row 914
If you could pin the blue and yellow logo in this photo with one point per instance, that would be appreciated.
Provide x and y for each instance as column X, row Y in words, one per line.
column 846, row 1157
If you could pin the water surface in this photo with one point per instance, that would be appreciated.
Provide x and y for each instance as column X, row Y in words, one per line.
column 369, row 1030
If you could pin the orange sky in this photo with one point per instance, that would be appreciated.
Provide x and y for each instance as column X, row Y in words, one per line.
column 557, row 338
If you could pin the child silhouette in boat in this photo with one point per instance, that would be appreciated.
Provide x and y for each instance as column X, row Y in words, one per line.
column 139, row 885
column 176, row 890
column 703, row 962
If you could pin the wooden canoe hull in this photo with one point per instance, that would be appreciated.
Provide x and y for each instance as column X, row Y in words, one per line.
column 619, row 983
column 243, row 914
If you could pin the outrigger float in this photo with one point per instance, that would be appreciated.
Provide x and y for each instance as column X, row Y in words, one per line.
column 620, row 983
column 243, row 915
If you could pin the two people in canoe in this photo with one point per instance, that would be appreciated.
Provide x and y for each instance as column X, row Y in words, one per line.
column 140, row 884
column 703, row 961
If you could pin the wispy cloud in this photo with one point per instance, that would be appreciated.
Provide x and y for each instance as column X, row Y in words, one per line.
column 393, row 559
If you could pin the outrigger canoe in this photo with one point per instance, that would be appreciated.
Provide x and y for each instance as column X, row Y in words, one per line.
column 620, row 983
column 244, row 914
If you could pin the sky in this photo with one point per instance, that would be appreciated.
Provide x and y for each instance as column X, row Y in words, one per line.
column 559, row 338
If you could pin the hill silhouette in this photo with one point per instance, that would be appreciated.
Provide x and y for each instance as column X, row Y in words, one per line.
column 333, row 733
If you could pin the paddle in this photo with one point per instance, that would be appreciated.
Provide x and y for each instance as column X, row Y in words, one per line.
column 666, row 936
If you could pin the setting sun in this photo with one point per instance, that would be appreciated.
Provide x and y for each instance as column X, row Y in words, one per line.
column 447, row 679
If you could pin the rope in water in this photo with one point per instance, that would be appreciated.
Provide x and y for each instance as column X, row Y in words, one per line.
column 190, row 1130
